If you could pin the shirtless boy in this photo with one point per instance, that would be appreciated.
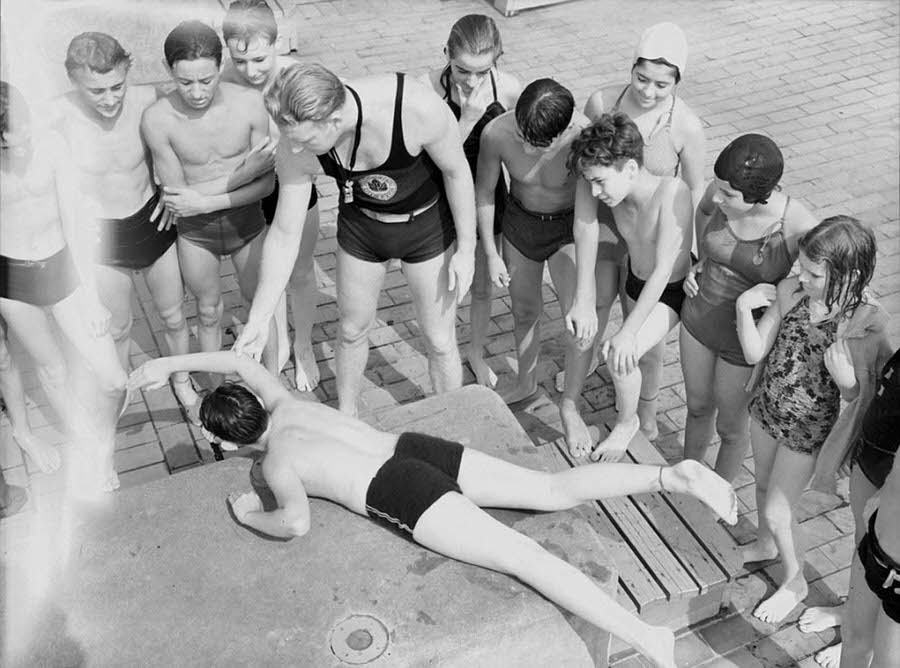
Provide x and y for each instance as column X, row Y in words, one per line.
column 201, row 136
column 653, row 214
column 44, row 273
column 429, row 487
column 101, row 121
column 532, row 143
column 250, row 31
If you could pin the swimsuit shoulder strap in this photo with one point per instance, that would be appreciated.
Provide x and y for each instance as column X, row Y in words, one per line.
column 494, row 86
column 619, row 99
column 671, row 113
column 445, row 82
column 398, row 146
column 787, row 203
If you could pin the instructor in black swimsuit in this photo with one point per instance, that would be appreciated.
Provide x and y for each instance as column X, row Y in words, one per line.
column 406, row 192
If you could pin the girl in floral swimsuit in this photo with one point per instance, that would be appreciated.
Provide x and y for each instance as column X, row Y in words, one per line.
column 808, row 347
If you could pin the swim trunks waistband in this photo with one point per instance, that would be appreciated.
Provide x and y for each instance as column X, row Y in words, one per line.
column 535, row 235
column 39, row 282
column 133, row 242
column 562, row 214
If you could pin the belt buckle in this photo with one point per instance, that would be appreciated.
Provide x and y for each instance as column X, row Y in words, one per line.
column 891, row 578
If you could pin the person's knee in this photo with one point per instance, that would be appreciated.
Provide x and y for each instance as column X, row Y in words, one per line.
column 700, row 406
column 354, row 331
column 120, row 326
column 441, row 341
column 778, row 514
column 173, row 318
column 113, row 382
column 209, row 312
column 732, row 429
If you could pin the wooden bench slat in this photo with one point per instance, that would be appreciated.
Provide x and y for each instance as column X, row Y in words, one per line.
column 695, row 515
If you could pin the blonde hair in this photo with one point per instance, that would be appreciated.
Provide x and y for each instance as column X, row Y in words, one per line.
column 304, row 92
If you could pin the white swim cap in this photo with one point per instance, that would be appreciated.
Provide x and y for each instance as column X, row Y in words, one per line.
column 666, row 41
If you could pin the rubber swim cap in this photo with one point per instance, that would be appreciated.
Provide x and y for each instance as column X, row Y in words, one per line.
column 666, row 41
column 751, row 164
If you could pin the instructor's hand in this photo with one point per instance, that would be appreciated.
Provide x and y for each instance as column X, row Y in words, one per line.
column 261, row 158
column 151, row 375
column 184, row 201
column 690, row 286
column 460, row 269
column 253, row 338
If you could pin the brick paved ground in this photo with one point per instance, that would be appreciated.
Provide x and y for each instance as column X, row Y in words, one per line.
column 821, row 77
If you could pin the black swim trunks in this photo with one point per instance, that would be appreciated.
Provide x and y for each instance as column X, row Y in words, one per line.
column 673, row 295
column 423, row 238
column 133, row 242
column 537, row 235
column 223, row 232
column 39, row 282
column 422, row 469
column 270, row 202
column 880, row 433
column 882, row 572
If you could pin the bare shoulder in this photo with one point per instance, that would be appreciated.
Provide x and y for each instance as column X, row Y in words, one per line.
column 143, row 95
column 788, row 293
column 509, row 88
column 432, row 78
column 602, row 101
column 685, row 119
column 500, row 127
column 235, row 93
column 798, row 219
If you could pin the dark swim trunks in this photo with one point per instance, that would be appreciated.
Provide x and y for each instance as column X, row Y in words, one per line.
column 673, row 295
column 270, row 202
column 39, row 282
column 882, row 572
column 133, row 242
column 422, row 469
column 537, row 235
column 880, row 433
column 223, row 232
column 423, row 238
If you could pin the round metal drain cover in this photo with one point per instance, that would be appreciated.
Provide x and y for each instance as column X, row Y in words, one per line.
column 359, row 639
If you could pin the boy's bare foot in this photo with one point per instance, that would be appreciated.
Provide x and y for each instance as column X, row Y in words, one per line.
column 306, row 371
column 786, row 598
column 578, row 438
column 613, row 448
column 646, row 412
column 43, row 455
column 16, row 498
column 759, row 551
column 693, row 478
column 484, row 374
column 517, row 393
column 110, row 482
column 818, row 619
column 830, row 657
column 659, row 646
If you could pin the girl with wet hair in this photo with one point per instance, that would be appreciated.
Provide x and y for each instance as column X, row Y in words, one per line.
column 748, row 232
column 812, row 348
column 477, row 91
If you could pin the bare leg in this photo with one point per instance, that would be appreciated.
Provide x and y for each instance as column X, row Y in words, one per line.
column 200, row 269
column 358, row 286
column 764, row 449
column 436, row 312
column 114, row 288
column 578, row 438
column 606, row 274
column 698, row 366
column 527, row 307
column 246, row 264
column 100, row 355
column 492, row 482
column 167, row 292
column 628, row 386
column 651, row 374
column 480, row 319
column 43, row 455
column 454, row 526
column 791, row 473
column 302, row 291
column 886, row 648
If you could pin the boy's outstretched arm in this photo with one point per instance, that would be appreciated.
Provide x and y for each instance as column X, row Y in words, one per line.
column 292, row 516
column 155, row 373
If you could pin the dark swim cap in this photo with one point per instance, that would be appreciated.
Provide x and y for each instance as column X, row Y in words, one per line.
column 753, row 165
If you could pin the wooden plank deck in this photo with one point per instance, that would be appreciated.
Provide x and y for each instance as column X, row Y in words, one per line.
column 675, row 560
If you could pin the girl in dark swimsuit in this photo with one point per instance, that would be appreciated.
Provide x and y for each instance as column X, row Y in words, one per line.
column 477, row 92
